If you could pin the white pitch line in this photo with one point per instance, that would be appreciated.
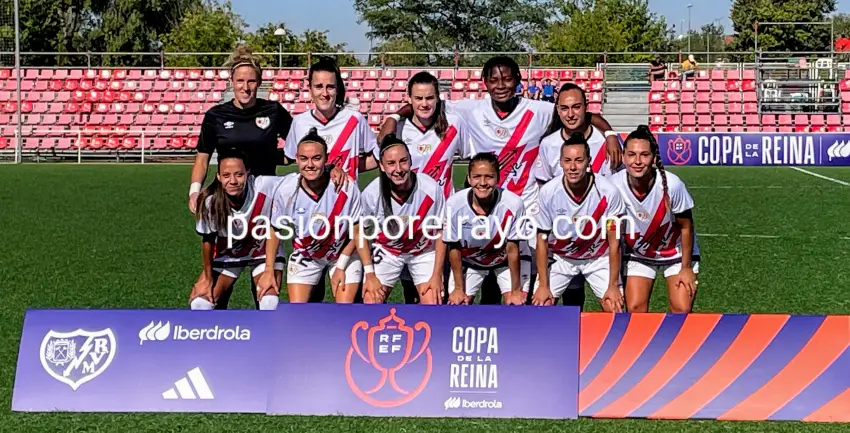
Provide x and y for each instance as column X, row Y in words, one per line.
column 811, row 173
column 736, row 187
column 725, row 235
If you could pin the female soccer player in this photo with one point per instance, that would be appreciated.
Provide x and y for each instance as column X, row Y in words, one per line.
column 246, row 122
column 325, row 225
column 406, row 210
column 229, row 208
column 579, row 220
column 475, row 251
column 662, row 237
column 346, row 131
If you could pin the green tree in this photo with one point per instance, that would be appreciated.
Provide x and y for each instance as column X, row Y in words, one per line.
column 842, row 25
column 211, row 28
column 709, row 38
column 794, row 38
column 295, row 47
column 448, row 25
column 596, row 26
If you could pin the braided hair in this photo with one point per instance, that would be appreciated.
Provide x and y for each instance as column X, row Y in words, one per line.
column 643, row 133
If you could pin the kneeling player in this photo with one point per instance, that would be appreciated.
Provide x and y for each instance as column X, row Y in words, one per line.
column 229, row 208
column 663, row 238
column 324, row 222
column 474, row 253
column 404, row 205
column 578, row 220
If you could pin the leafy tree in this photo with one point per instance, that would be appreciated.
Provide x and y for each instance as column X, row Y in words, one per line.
column 295, row 47
column 211, row 28
column 595, row 26
column 794, row 38
column 709, row 38
column 448, row 25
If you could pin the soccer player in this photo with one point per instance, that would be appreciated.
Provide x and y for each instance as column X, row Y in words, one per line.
column 246, row 122
column 346, row 131
column 227, row 217
column 579, row 220
column 406, row 210
column 326, row 241
column 662, row 238
column 480, row 229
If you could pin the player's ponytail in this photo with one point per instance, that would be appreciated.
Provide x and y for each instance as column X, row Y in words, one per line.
column 441, row 124
column 313, row 137
column 219, row 209
column 389, row 141
column 643, row 133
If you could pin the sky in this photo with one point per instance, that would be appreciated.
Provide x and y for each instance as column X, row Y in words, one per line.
column 341, row 23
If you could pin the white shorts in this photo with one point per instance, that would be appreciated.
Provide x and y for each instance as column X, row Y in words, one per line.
column 595, row 271
column 474, row 278
column 303, row 270
column 388, row 267
column 235, row 271
column 637, row 269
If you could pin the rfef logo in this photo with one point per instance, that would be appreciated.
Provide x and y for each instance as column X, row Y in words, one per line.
column 77, row 357
column 397, row 360
column 679, row 151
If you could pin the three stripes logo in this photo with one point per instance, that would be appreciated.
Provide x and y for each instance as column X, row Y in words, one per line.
column 839, row 149
column 183, row 388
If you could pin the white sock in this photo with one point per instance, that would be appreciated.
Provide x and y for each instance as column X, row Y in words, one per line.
column 201, row 304
column 269, row 302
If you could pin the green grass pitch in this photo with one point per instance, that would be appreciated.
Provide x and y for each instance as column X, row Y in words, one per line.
column 776, row 240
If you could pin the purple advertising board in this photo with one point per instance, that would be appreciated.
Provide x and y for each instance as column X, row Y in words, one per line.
column 755, row 149
column 427, row 361
column 143, row 361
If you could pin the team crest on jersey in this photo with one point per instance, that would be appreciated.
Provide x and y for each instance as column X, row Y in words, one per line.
column 500, row 132
column 329, row 140
column 424, row 149
column 643, row 215
column 77, row 357
column 263, row 122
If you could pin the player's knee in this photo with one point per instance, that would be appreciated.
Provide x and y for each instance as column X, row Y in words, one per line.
column 637, row 306
column 269, row 302
column 680, row 308
column 201, row 304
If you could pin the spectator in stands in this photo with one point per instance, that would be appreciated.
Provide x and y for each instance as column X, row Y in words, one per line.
column 657, row 69
column 533, row 91
column 689, row 67
column 520, row 90
column 548, row 91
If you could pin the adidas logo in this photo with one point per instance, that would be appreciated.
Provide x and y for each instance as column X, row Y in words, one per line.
column 182, row 389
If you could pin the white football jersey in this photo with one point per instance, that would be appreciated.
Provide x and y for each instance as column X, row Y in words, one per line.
column 434, row 156
column 515, row 139
column 462, row 224
column 578, row 230
column 305, row 214
column 654, row 238
column 256, row 210
column 423, row 206
column 347, row 134
column 548, row 164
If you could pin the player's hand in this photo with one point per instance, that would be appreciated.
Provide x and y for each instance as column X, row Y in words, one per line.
column 339, row 178
column 202, row 289
column 267, row 283
column 435, row 289
column 516, row 297
column 688, row 281
column 458, row 297
column 373, row 290
column 614, row 151
column 613, row 298
column 337, row 280
column 542, row 296
column 193, row 202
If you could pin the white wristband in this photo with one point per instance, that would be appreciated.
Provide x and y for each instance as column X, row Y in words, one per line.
column 610, row 133
column 194, row 188
column 395, row 117
column 342, row 261
column 369, row 269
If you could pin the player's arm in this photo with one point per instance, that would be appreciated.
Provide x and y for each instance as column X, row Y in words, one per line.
column 613, row 297
column 207, row 143
column 203, row 287
column 391, row 122
column 545, row 225
column 512, row 249
column 368, row 162
column 457, row 293
column 612, row 143
column 687, row 276
column 373, row 290
column 283, row 124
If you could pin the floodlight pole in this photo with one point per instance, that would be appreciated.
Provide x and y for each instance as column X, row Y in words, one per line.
column 18, row 133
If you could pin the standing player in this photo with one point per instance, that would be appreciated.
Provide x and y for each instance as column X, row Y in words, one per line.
column 346, row 131
column 405, row 206
column 228, row 209
column 324, row 223
column 579, row 220
column 663, row 238
column 475, row 252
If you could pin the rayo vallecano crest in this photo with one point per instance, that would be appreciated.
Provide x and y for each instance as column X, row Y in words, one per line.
column 77, row 357
column 263, row 122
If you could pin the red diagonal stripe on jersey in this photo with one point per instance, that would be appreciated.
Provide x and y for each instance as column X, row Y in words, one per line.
column 517, row 185
column 585, row 244
column 409, row 244
column 339, row 158
column 599, row 159
column 320, row 248
column 248, row 242
column 434, row 167
column 489, row 253
column 510, row 153
column 654, row 234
